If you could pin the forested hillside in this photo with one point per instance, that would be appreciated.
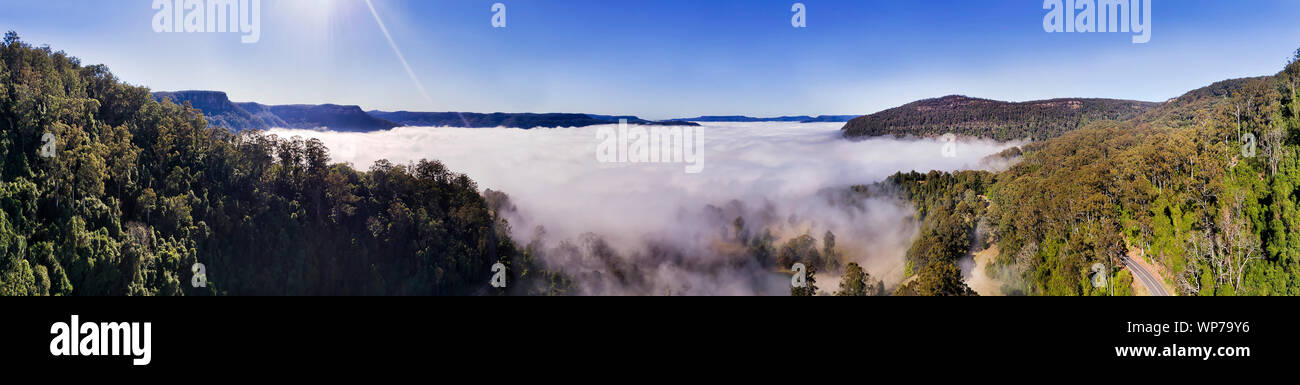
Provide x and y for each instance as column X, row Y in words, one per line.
column 105, row 190
column 1005, row 121
column 131, row 193
column 1218, row 213
column 949, row 208
column 1204, row 187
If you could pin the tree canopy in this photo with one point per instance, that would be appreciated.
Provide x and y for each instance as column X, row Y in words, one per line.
column 138, row 191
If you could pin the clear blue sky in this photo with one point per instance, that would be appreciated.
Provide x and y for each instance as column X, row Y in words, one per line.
column 668, row 58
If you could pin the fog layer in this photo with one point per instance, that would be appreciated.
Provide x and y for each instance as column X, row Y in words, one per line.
column 638, row 228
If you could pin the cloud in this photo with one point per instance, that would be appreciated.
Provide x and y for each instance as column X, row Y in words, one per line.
column 654, row 229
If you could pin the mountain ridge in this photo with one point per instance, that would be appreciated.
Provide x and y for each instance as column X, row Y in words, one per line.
column 748, row 119
column 525, row 120
column 993, row 119
column 219, row 110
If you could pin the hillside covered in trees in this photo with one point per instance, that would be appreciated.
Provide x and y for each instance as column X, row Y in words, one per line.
column 106, row 191
column 1204, row 187
column 1005, row 121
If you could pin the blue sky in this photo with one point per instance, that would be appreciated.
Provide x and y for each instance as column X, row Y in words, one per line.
column 668, row 58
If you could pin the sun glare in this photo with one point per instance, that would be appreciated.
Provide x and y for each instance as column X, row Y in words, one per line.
column 313, row 17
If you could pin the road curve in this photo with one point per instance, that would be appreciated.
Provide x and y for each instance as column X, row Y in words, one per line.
column 1149, row 280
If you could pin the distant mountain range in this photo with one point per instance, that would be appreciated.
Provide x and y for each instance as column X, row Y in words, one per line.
column 955, row 114
column 514, row 120
column 984, row 118
column 798, row 119
column 220, row 111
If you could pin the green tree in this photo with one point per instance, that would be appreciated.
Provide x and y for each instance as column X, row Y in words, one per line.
column 937, row 280
column 855, row 282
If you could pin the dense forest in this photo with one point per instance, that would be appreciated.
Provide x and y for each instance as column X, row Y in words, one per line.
column 983, row 118
column 129, row 191
column 950, row 209
column 106, row 191
column 1203, row 187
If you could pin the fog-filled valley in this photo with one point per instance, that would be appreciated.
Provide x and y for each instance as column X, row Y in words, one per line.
column 651, row 228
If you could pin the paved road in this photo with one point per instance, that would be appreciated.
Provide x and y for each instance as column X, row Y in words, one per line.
column 1149, row 280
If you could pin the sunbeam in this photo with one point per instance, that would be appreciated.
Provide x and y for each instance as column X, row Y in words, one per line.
column 398, row 51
